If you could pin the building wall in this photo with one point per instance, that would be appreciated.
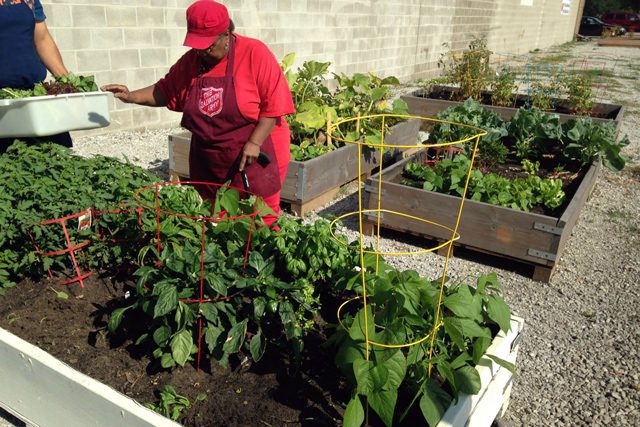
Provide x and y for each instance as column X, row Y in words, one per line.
column 134, row 42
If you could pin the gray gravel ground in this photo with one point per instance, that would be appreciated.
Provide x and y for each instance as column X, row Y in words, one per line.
column 579, row 361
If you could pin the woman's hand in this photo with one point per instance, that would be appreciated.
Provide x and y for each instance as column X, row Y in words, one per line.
column 250, row 154
column 150, row 95
column 119, row 91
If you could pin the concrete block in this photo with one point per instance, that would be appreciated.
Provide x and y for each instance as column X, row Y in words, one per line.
column 156, row 57
column 72, row 39
column 168, row 37
column 122, row 119
column 92, row 61
column 88, row 16
column 267, row 5
column 110, row 77
column 284, row 6
column 58, row 15
column 69, row 59
column 150, row 17
column 176, row 18
column 120, row 16
column 147, row 115
column 123, row 59
column 176, row 52
column 138, row 37
column 141, row 77
column 111, row 37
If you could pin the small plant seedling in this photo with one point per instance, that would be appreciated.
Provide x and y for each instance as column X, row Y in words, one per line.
column 60, row 294
column 172, row 404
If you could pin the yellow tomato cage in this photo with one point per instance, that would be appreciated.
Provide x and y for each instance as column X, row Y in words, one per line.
column 332, row 129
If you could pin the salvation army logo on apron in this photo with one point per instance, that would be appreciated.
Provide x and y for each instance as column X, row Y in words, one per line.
column 210, row 102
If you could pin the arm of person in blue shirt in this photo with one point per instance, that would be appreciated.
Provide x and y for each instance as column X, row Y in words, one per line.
column 48, row 50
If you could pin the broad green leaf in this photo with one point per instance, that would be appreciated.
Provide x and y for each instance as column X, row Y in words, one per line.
column 259, row 306
column 217, row 283
column 354, row 414
column 211, row 335
column 357, row 329
column 369, row 376
column 434, row 402
column 480, row 346
column 467, row 380
column 230, row 202
column 162, row 335
column 209, row 311
column 471, row 329
column 347, row 353
column 464, row 304
column 235, row 337
column 181, row 345
column 453, row 327
column 498, row 311
column 397, row 367
column 257, row 345
column 384, row 403
column 167, row 361
column 167, row 301
column 116, row 318
column 504, row 363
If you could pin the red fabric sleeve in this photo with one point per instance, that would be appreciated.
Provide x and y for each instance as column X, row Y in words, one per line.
column 176, row 83
column 273, row 89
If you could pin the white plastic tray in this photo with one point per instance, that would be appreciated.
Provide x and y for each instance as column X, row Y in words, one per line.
column 53, row 114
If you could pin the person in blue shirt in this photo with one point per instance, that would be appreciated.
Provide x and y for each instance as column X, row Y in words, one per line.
column 27, row 51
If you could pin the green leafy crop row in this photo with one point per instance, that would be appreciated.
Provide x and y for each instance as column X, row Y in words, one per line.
column 356, row 95
column 533, row 135
column 250, row 298
column 47, row 182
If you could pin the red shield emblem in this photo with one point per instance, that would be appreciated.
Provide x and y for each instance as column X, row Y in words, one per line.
column 210, row 102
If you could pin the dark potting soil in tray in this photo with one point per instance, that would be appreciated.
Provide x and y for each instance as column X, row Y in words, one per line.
column 74, row 331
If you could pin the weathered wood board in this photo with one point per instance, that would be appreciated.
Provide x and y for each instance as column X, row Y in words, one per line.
column 523, row 236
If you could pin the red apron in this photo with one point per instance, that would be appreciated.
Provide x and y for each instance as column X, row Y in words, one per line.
column 219, row 133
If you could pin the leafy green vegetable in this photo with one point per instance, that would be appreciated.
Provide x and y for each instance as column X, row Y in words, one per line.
column 402, row 310
column 491, row 148
column 587, row 141
column 64, row 84
column 449, row 176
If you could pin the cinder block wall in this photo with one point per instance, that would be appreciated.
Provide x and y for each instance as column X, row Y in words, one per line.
column 134, row 42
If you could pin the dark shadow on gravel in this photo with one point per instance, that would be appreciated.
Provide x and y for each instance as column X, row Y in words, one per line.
column 160, row 168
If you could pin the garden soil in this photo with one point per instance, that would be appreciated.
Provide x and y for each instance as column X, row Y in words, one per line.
column 73, row 329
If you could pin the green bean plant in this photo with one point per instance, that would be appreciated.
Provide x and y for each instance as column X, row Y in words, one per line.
column 402, row 308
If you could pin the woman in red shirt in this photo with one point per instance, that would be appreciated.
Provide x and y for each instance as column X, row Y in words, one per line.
column 234, row 97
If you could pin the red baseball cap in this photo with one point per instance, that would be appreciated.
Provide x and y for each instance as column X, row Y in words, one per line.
column 206, row 20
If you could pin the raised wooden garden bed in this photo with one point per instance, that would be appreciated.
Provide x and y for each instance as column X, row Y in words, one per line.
column 527, row 237
column 311, row 183
column 420, row 105
column 41, row 390
column 619, row 42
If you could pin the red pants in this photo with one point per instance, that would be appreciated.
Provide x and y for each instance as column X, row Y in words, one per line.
column 281, row 140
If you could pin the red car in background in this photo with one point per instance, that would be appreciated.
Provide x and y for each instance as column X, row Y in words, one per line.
column 629, row 20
